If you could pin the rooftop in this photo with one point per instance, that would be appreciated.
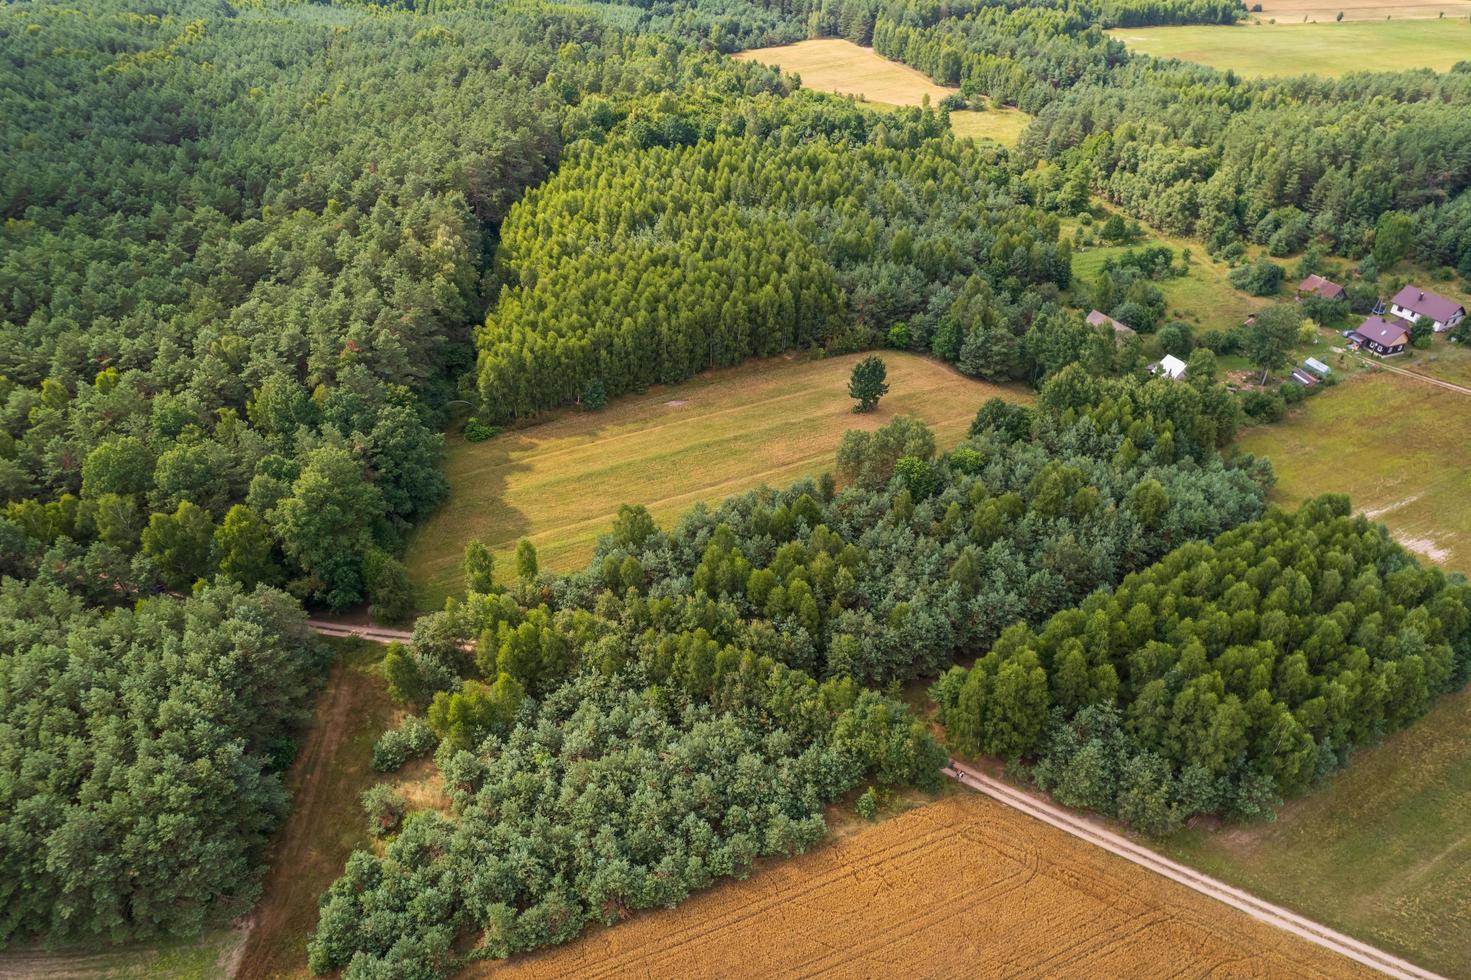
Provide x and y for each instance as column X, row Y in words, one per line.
column 1422, row 302
column 1384, row 332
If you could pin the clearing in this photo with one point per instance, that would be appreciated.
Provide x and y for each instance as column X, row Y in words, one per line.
column 1395, row 445
column 560, row 483
column 1205, row 298
column 1383, row 851
column 1257, row 50
column 962, row 887
column 836, row 65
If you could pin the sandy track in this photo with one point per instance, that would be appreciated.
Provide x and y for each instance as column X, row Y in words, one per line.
column 1236, row 898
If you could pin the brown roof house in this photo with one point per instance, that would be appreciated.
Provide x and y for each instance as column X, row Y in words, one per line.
column 1383, row 337
column 1412, row 302
column 1098, row 319
column 1316, row 285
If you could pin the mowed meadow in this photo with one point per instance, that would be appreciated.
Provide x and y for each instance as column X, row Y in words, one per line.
column 961, row 887
column 1382, row 852
column 836, row 65
column 560, row 482
column 1256, row 50
column 1395, row 445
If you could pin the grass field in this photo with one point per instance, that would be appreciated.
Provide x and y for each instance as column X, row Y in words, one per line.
column 835, row 65
column 210, row 956
column 1383, row 852
column 962, row 887
column 1396, row 446
column 560, row 482
column 1256, row 50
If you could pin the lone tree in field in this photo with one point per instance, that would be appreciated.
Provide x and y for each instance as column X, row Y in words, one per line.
column 867, row 383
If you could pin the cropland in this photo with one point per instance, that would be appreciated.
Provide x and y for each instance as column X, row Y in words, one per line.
column 962, row 887
column 1256, row 50
column 1395, row 445
column 1293, row 11
column 560, row 483
column 836, row 65
column 1383, row 851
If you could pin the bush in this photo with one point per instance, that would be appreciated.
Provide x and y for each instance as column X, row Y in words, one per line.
column 1263, row 406
column 1260, row 278
column 413, row 739
column 478, row 431
column 868, row 804
column 385, row 809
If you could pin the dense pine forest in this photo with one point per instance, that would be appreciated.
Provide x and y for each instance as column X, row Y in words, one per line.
column 257, row 258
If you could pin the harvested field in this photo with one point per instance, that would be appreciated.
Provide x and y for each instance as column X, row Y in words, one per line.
column 1285, row 11
column 560, row 483
column 963, row 887
column 835, row 65
column 1261, row 49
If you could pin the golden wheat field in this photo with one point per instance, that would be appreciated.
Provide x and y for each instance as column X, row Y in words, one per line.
column 831, row 64
column 960, row 888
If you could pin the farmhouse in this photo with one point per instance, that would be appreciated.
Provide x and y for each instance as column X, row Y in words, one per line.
column 1100, row 319
column 1383, row 337
column 1412, row 302
column 1316, row 285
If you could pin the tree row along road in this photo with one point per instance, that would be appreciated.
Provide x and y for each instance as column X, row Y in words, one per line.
column 1236, row 898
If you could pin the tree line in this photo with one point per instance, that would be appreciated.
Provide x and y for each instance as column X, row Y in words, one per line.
column 1225, row 677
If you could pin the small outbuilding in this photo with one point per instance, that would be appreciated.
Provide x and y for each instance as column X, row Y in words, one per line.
column 1317, row 367
column 1097, row 318
column 1316, row 285
column 1383, row 337
column 1170, row 367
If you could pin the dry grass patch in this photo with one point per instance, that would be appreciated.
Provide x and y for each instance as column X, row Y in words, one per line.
column 836, row 65
column 560, row 483
column 964, row 887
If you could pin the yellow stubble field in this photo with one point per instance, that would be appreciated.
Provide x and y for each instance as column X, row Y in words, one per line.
column 963, row 887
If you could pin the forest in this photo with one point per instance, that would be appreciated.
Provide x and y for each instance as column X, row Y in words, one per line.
column 1193, row 150
column 258, row 258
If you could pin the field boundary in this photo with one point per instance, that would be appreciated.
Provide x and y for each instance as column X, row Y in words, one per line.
column 1274, row 915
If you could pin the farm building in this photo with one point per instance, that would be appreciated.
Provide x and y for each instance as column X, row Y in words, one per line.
column 1099, row 319
column 1316, row 285
column 1383, row 337
column 1169, row 366
column 1412, row 302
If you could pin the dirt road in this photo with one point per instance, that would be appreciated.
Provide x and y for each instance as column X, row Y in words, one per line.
column 377, row 634
column 1236, row 898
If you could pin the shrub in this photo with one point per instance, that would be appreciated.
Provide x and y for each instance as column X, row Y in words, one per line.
column 868, row 804
column 413, row 739
column 385, row 809
column 478, row 431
